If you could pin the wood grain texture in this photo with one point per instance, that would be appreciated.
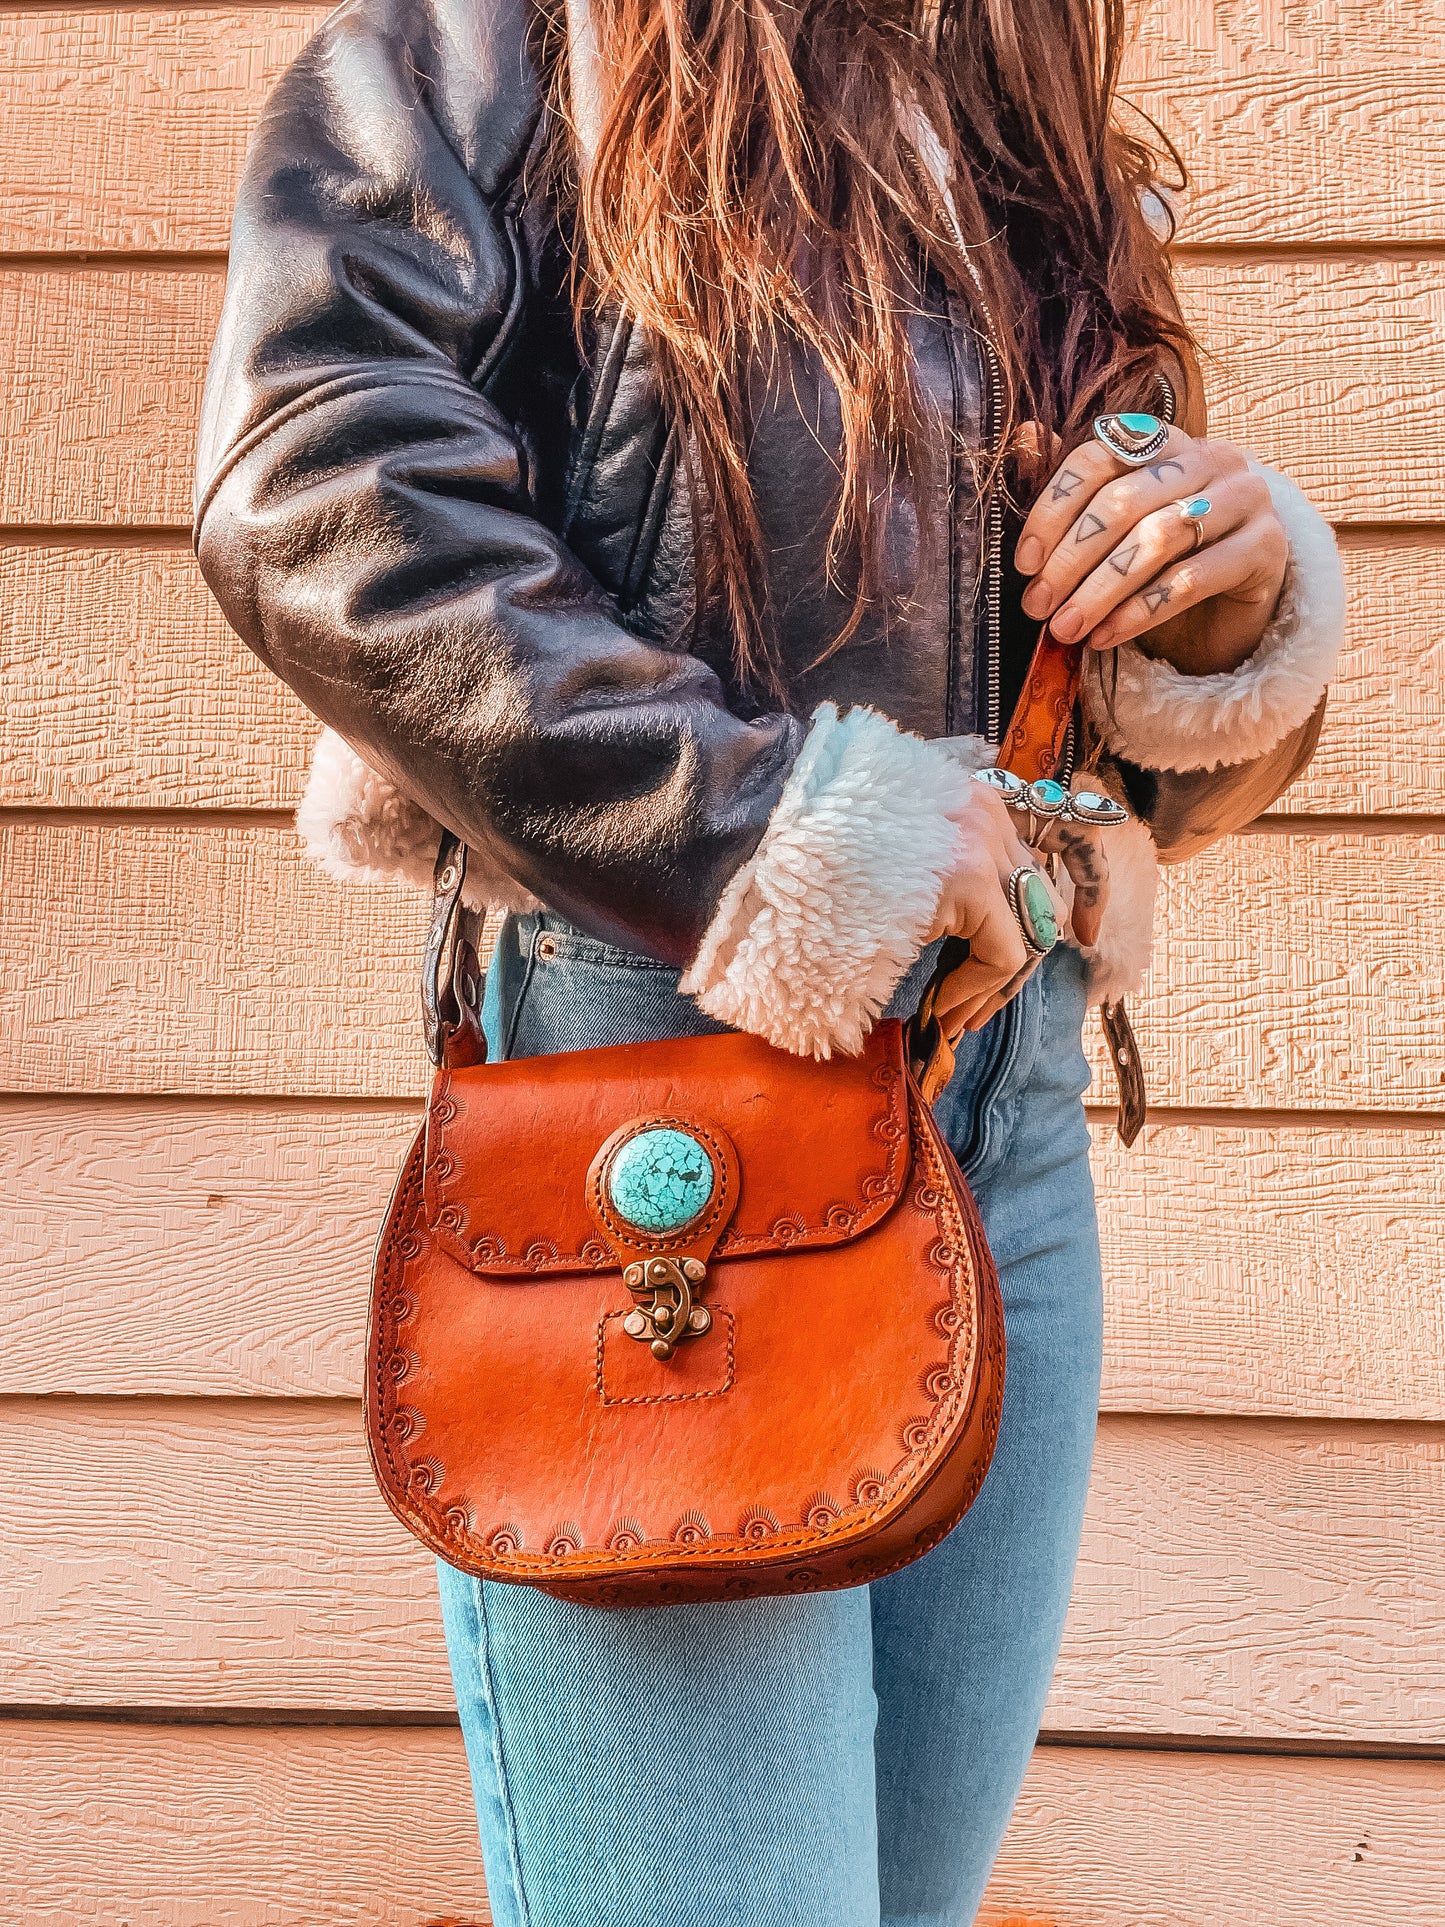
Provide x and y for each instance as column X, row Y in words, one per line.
column 191, row 1826
column 175, row 1826
column 1296, row 971
column 1273, row 1270
column 1330, row 367
column 1287, row 975
column 180, row 1249
column 225, row 1249
column 121, row 686
column 199, row 958
column 1122, row 1839
column 125, row 128
column 1300, row 121
column 1238, row 1578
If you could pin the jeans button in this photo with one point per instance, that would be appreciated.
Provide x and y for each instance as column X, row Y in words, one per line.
column 546, row 948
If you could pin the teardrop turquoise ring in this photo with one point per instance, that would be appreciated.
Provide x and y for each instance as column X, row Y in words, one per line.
column 1132, row 439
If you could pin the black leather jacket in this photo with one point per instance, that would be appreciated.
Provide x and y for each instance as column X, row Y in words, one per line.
column 468, row 546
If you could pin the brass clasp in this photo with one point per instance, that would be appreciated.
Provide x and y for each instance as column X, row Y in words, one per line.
column 671, row 1315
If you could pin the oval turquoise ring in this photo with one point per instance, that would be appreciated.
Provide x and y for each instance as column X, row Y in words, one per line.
column 1031, row 903
column 1132, row 439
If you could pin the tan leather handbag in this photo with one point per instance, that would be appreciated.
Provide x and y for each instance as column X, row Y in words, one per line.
column 683, row 1320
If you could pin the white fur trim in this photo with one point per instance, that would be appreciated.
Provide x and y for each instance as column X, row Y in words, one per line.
column 813, row 934
column 362, row 829
column 1158, row 718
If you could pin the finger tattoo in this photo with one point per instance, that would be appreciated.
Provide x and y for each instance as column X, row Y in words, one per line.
column 1067, row 484
column 1090, row 526
column 1156, row 597
column 1122, row 560
column 1156, row 469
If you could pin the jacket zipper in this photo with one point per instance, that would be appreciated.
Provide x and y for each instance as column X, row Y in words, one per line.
column 992, row 585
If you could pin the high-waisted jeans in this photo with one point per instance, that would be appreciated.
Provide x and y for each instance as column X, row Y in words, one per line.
column 843, row 1759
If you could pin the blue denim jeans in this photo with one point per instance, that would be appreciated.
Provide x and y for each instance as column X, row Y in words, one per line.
column 843, row 1759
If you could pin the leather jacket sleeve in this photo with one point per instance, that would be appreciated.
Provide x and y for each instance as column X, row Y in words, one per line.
column 368, row 515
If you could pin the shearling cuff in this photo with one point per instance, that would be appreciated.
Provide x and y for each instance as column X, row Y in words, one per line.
column 1155, row 717
column 812, row 935
column 362, row 829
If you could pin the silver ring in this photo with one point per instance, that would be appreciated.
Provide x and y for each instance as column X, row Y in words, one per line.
column 1029, row 899
column 1132, row 439
column 1088, row 806
column 1193, row 509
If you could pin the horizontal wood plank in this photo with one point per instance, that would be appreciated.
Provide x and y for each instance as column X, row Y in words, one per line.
column 185, row 1249
column 1273, row 1270
column 125, row 128
column 1330, row 367
column 193, row 1825
column 1299, row 123
column 1261, row 1581
column 121, row 686
column 179, row 1826
column 138, row 958
column 1123, row 1839
column 212, row 1249
column 200, row 958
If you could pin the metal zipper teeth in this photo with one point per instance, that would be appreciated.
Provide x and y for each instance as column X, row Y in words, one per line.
column 993, row 514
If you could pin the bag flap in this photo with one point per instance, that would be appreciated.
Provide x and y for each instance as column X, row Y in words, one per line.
column 822, row 1149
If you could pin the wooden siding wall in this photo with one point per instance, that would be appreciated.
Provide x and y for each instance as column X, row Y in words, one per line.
column 223, row 1695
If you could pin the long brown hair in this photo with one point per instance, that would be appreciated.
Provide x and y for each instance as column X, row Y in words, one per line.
column 749, row 183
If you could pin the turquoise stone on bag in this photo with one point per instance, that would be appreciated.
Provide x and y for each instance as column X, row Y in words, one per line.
column 660, row 1180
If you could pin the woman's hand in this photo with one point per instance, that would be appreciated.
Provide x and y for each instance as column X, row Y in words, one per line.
column 1112, row 558
column 975, row 903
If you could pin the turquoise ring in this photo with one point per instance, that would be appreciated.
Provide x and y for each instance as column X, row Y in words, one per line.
column 1192, row 510
column 1031, row 903
column 1132, row 439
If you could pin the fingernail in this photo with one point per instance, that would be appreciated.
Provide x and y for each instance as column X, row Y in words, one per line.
column 1067, row 624
column 1038, row 599
column 1029, row 555
column 1102, row 638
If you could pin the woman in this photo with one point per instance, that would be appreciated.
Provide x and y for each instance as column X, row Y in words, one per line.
column 620, row 433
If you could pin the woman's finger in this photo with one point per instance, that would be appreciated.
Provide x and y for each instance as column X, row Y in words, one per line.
column 1083, row 851
column 1086, row 470
column 1244, row 565
column 1220, row 506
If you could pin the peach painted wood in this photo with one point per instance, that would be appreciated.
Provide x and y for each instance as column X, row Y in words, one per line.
column 1273, row 1270
column 1245, row 1578
column 1241, row 1578
column 213, row 1248
column 1301, row 121
column 186, row 1248
column 1328, row 366
column 1298, row 970
column 138, row 958
column 1125, row 1839
column 121, row 685
column 296, row 1827
column 214, row 1826
column 125, row 127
